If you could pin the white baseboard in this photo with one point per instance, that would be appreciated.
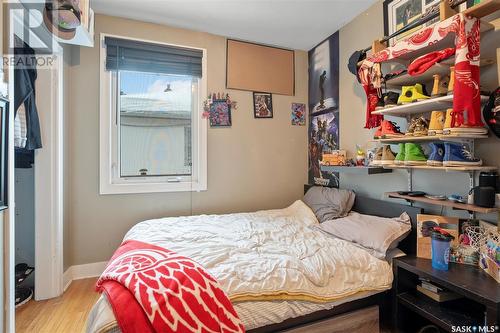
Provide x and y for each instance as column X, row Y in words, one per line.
column 85, row 271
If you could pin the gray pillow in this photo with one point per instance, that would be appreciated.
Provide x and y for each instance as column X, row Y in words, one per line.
column 375, row 234
column 329, row 203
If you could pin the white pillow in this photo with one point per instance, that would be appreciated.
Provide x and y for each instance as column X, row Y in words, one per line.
column 375, row 234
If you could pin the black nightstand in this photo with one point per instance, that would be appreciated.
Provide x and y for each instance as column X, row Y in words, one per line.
column 412, row 310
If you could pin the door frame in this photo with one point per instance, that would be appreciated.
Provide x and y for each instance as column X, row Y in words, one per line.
column 49, row 177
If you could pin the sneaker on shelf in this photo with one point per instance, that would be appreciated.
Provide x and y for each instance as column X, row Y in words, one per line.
column 388, row 156
column 421, row 127
column 447, row 122
column 462, row 130
column 411, row 126
column 391, row 99
column 400, row 157
column 414, row 154
column 377, row 157
column 468, row 130
column 436, row 157
column 380, row 102
column 22, row 271
column 390, row 130
column 378, row 133
column 456, row 154
column 451, row 83
column 23, row 295
column 412, row 94
column 437, row 123
column 440, row 87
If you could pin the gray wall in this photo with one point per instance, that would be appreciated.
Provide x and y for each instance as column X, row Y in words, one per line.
column 358, row 34
column 255, row 164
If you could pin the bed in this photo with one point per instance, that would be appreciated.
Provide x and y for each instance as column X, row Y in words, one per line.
column 237, row 250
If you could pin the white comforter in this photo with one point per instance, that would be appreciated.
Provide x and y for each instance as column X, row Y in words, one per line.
column 269, row 255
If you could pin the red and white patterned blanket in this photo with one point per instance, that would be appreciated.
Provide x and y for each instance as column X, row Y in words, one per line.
column 156, row 290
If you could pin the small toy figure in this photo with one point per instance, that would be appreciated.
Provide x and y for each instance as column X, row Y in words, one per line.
column 360, row 156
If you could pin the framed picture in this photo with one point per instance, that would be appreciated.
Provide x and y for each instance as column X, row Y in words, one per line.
column 400, row 13
column 220, row 113
column 262, row 105
column 4, row 152
column 298, row 114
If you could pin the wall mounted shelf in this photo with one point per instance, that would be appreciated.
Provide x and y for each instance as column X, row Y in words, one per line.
column 428, row 105
column 447, row 169
column 446, row 203
column 457, row 138
column 370, row 170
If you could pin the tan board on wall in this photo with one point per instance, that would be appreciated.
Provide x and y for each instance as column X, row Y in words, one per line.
column 256, row 67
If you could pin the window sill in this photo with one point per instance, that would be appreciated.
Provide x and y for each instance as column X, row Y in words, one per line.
column 137, row 188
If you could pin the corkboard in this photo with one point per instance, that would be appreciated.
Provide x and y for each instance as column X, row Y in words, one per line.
column 260, row 68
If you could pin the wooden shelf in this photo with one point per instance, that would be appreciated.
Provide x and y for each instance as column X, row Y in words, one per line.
column 467, row 280
column 446, row 203
column 443, row 168
column 370, row 170
column 431, row 138
column 483, row 9
column 444, row 316
column 428, row 105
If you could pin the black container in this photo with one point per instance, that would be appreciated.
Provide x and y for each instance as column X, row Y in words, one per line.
column 484, row 196
column 489, row 179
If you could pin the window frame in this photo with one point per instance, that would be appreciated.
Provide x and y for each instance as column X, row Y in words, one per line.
column 110, row 181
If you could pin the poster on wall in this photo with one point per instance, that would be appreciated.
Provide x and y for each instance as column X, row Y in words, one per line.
column 323, row 108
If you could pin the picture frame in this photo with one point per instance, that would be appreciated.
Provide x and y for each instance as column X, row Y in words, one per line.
column 4, row 152
column 399, row 13
column 262, row 105
column 220, row 113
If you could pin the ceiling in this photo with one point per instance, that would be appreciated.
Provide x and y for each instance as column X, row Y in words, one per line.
column 296, row 24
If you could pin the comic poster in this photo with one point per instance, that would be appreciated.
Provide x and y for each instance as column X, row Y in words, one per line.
column 323, row 108
column 298, row 114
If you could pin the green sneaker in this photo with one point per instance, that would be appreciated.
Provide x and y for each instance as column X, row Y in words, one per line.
column 414, row 154
column 400, row 157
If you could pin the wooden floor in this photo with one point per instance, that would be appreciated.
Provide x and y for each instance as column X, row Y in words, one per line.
column 67, row 313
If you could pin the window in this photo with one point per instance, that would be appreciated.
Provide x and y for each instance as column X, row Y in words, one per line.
column 153, row 138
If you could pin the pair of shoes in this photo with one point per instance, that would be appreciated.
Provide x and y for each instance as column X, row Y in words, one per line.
column 410, row 154
column 388, row 129
column 463, row 129
column 383, row 156
column 419, row 126
column 451, row 154
column 388, row 100
column 410, row 94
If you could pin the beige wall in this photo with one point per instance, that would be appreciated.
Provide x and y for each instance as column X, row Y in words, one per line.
column 358, row 34
column 255, row 164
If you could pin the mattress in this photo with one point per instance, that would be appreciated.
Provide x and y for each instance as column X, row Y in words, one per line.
column 272, row 259
column 252, row 314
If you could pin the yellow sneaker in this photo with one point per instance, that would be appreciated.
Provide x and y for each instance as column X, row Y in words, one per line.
column 447, row 122
column 440, row 87
column 410, row 94
column 437, row 123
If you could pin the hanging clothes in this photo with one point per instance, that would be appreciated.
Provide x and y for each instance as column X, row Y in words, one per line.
column 24, row 94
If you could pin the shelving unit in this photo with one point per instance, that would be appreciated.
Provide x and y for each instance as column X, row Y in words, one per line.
column 445, row 203
column 370, row 170
column 478, row 306
column 480, row 11
column 428, row 105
